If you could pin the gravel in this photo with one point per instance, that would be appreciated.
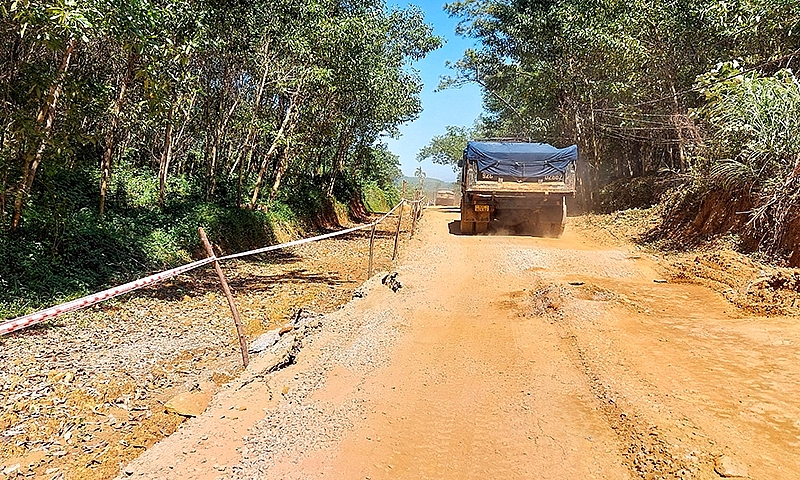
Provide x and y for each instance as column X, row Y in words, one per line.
column 300, row 424
column 87, row 389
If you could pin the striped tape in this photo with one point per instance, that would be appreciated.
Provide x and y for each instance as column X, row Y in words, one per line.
column 80, row 303
column 77, row 304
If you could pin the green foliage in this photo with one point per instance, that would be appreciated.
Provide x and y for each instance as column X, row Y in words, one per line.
column 379, row 167
column 640, row 192
column 754, row 145
column 193, row 111
column 754, row 123
column 616, row 78
column 136, row 188
column 232, row 99
column 378, row 199
column 448, row 148
column 39, row 265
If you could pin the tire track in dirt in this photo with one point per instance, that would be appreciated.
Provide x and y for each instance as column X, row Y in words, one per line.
column 647, row 454
column 471, row 391
column 679, row 371
column 519, row 357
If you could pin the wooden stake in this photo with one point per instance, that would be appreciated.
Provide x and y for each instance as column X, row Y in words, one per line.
column 225, row 288
column 371, row 250
column 416, row 212
column 397, row 233
column 414, row 218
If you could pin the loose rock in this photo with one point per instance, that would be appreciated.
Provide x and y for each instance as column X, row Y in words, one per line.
column 392, row 282
column 727, row 467
column 189, row 404
column 265, row 341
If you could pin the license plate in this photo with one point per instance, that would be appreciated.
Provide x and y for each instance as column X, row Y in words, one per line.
column 481, row 208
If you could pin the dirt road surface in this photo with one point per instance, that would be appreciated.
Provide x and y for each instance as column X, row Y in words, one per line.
column 511, row 357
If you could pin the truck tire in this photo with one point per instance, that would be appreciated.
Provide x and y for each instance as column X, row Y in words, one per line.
column 532, row 226
column 555, row 230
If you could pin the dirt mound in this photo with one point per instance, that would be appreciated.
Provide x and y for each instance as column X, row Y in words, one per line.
column 693, row 213
column 753, row 287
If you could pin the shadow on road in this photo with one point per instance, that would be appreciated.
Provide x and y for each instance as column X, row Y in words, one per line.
column 455, row 227
column 496, row 229
column 453, row 209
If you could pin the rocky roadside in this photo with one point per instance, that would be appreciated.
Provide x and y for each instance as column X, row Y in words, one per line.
column 273, row 406
column 85, row 394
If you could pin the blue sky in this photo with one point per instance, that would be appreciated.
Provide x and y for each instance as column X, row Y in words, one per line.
column 449, row 107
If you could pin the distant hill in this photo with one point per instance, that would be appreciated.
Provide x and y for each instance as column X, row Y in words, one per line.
column 430, row 186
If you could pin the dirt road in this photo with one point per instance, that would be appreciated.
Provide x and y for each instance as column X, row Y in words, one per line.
column 512, row 357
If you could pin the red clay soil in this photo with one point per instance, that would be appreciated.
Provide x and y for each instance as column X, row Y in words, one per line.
column 513, row 357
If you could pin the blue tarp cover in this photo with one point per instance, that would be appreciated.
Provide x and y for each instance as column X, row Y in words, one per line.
column 516, row 159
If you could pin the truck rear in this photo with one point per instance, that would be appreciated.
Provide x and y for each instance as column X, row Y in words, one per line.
column 516, row 185
column 445, row 198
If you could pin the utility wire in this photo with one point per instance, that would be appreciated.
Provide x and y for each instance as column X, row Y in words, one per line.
column 694, row 89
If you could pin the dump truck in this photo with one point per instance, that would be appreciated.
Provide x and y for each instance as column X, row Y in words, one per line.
column 516, row 185
column 445, row 198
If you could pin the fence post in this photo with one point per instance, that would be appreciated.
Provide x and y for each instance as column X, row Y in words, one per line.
column 371, row 250
column 397, row 233
column 416, row 212
column 414, row 218
column 225, row 288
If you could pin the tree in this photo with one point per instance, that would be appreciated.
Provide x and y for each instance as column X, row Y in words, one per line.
column 230, row 97
column 59, row 29
column 420, row 174
column 617, row 78
column 448, row 148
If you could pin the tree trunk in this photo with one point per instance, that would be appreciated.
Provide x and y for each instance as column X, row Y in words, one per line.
column 211, row 169
column 219, row 132
column 6, row 169
column 110, row 140
column 338, row 158
column 187, row 118
column 166, row 155
column 44, row 121
column 170, row 141
column 246, row 154
column 280, row 169
column 270, row 152
column 595, row 147
column 677, row 120
column 586, row 171
column 282, row 164
column 361, row 152
column 239, row 182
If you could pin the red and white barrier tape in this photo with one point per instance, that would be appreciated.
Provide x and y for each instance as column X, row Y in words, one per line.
column 77, row 304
